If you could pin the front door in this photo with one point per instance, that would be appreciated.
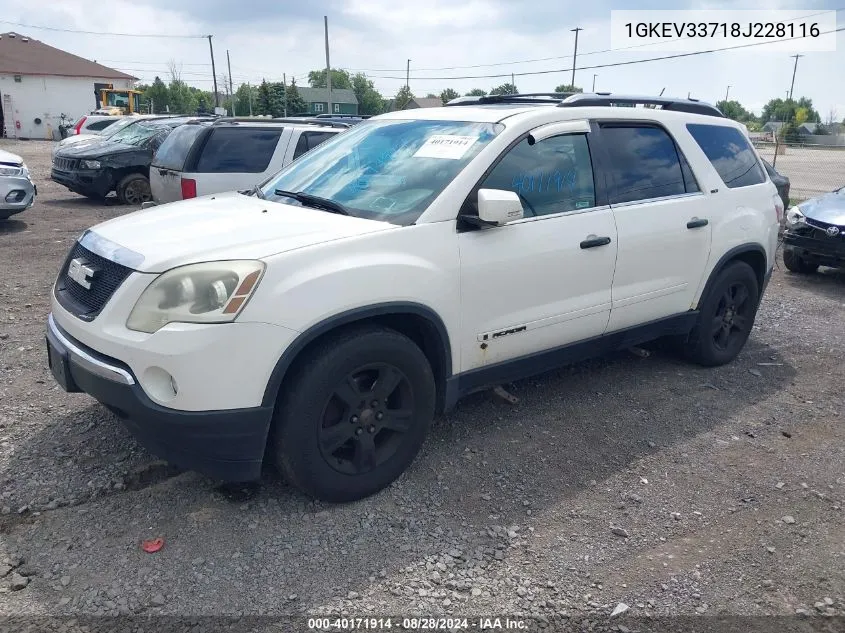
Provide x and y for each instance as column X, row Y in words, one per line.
column 543, row 281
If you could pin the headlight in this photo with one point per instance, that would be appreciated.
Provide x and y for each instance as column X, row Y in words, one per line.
column 89, row 164
column 8, row 170
column 212, row 292
column 794, row 217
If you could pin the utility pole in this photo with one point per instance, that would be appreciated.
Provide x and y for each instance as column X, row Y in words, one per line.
column 231, row 87
column 513, row 84
column 328, row 64
column 213, row 72
column 727, row 92
column 249, row 92
column 574, row 56
column 285, row 82
column 794, row 70
column 594, row 82
column 408, row 74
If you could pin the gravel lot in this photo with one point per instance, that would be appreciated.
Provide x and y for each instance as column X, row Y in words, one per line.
column 673, row 489
column 812, row 171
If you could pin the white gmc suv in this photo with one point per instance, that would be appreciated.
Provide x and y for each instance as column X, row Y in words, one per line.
column 327, row 315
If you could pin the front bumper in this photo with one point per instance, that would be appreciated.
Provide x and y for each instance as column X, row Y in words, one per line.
column 17, row 193
column 84, row 181
column 227, row 445
column 822, row 250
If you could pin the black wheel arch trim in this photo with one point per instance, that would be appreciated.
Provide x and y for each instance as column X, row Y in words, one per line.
column 751, row 247
column 348, row 317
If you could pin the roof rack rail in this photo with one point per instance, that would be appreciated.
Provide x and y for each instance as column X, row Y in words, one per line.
column 692, row 106
column 303, row 121
column 327, row 115
column 526, row 97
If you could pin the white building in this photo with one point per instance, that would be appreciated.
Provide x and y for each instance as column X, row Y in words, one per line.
column 38, row 83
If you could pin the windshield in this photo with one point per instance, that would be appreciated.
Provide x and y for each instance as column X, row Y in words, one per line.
column 388, row 170
column 136, row 134
column 117, row 126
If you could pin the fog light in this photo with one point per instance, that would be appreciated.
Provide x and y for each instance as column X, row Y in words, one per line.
column 159, row 384
column 16, row 195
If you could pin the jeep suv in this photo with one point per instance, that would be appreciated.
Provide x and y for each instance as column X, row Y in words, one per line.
column 327, row 315
column 230, row 154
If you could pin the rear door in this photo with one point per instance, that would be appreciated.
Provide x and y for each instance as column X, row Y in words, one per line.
column 663, row 222
column 235, row 158
column 169, row 162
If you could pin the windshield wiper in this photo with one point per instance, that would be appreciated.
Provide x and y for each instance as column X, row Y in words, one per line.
column 318, row 202
column 255, row 191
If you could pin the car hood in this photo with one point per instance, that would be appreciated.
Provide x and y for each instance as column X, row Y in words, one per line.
column 98, row 150
column 222, row 226
column 828, row 208
column 9, row 158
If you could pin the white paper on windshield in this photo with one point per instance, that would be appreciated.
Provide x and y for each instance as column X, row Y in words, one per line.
column 445, row 146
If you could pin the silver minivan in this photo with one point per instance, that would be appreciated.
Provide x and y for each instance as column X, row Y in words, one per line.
column 203, row 158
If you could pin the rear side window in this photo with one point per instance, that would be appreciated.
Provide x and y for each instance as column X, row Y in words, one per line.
column 645, row 163
column 99, row 125
column 730, row 153
column 175, row 149
column 310, row 140
column 238, row 150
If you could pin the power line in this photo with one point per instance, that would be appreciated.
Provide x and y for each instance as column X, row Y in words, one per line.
column 609, row 65
column 547, row 59
column 51, row 28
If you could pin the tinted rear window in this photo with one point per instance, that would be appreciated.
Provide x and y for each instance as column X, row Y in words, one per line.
column 645, row 163
column 730, row 153
column 238, row 150
column 174, row 150
column 310, row 140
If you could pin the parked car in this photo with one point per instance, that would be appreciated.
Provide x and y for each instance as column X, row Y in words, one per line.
column 107, row 133
column 814, row 234
column 120, row 164
column 209, row 157
column 17, row 191
column 93, row 123
column 781, row 182
column 420, row 256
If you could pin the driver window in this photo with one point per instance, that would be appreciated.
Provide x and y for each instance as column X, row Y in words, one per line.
column 552, row 176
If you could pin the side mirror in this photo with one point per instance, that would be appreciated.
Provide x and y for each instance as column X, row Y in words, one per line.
column 497, row 207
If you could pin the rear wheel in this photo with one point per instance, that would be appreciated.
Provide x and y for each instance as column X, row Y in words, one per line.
column 726, row 317
column 796, row 264
column 134, row 189
column 355, row 414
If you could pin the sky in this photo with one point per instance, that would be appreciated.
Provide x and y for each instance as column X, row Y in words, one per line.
column 266, row 38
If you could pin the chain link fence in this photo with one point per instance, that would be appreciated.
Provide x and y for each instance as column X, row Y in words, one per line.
column 812, row 169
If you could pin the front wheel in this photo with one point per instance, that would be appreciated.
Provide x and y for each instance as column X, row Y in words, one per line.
column 354, row 414
column 134, row 189
column 796, row 264
column 726, row 317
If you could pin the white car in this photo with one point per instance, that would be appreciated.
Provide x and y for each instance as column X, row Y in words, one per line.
column 17, row 191
column 208, row 157
column 417, row 257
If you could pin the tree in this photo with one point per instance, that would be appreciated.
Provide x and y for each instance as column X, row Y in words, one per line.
column 505, row 89
column 447, row 95
column 403, row 98
column 296, row 104
column 801, row 115
column 263, row 103
column 568, row 88
column 734, row 110
column 476, row 92
column 820, row 130
column 785, row 109
column 369, row 99
column 340, row 79
column 181, row 98
column 243, row 96
column 157, row 93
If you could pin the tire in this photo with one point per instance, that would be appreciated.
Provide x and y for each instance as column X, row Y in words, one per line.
column 325, row 420
column 794, row 263
column 134, row 189
column 725, row 318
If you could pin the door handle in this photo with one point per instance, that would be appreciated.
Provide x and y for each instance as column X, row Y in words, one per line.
column 697, row 223
column 592, row 242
